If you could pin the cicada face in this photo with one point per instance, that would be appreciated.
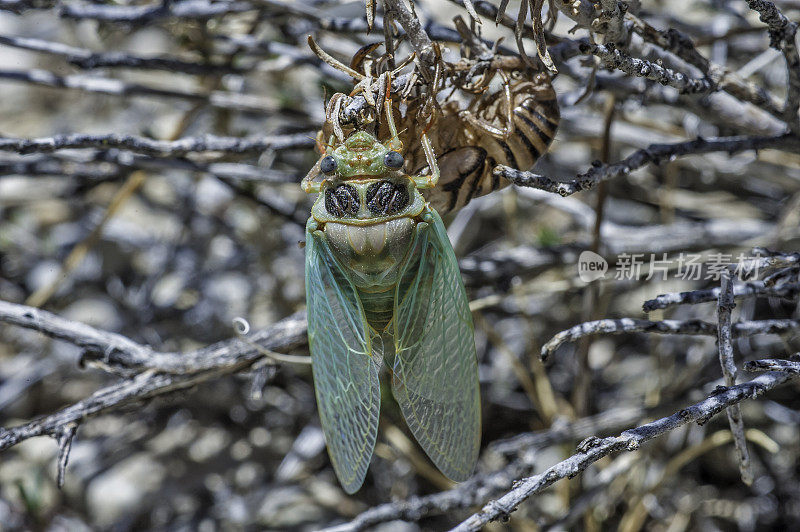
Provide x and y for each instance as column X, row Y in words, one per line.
column 383, row 284
column 367, row 209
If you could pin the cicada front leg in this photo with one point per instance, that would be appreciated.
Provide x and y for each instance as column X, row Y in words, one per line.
column 507, row 129
column 308, row 184
column 432, row 179
column 423, row 181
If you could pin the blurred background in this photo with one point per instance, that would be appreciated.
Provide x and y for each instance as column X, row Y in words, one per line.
column 168, row 248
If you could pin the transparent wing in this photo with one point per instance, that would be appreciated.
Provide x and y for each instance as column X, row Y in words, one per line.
column 435, row 373
column 345, row 374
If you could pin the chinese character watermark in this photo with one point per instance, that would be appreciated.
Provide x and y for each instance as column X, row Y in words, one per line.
column 684, row 266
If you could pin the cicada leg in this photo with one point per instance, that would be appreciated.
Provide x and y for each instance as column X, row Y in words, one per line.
column 430, row 180
column 308, row 184
column 333, row 112
column 394, row 143
column 497, row 132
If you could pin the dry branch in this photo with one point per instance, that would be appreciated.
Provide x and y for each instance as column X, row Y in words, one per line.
column 740, row 291
column 725, row 306
column 594, row 449
column 160, row 148
column 612, row 57
column 158, row 372
column 115, row 87
column 782, row 36
column 687, row 327
column 88, row 59
column 656, row 154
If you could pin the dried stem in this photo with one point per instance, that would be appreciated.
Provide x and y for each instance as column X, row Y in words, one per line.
column 725, row 306
column 160, row 148
column 594, row 449
column 656, row 153
column 687, row 327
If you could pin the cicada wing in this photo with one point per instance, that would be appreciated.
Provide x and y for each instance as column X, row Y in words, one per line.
column 435, row 373
column 345, row 372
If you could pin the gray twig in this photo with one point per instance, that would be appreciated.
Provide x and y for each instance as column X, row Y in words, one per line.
column 88, row 59
column 782, row 35
column 612, row 57
column 186, row 10
column 419, row 39
column 687, row 327
column 655, row 153
column 473, row 491
column 773, row 364
column 160, row 148
column 740, row 291
column 725, row 306
column 594, row 449
column 117, row 352
column 65, row 437
column 115, row 87
column 188, row 369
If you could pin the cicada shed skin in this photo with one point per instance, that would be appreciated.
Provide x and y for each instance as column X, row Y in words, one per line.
column 383, row 287
column 513, row 128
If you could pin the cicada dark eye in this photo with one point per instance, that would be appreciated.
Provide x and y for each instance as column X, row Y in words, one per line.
column 328, row 165
column 393, row 159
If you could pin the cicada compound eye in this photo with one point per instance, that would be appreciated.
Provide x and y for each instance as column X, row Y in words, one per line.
column 328, row 164
column 393, row 159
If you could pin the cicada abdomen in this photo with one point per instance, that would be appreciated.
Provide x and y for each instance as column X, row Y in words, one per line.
column 512, row 127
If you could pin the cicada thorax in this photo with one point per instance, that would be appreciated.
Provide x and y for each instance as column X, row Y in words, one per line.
column 470, row 141
column 367, row 213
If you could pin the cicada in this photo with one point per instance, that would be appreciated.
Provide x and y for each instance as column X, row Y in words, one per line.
column 383, row 287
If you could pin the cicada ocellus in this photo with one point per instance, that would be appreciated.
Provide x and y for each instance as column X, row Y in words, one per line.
column 383, row 287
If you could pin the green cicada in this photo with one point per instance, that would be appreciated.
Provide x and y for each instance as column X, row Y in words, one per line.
column 383, row 286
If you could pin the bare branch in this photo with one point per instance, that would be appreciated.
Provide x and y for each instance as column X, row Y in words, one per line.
column 782, row 34
column 419, row 39
column 655, row 153
column 740, row 291
column 115, row 87
column 187, row 10
column 725, row 306
column 610, row 21
column 578, row 430
column 112, row 164
column 160, row 148
column 630, row 440
column 65, row 437
column 773, row 364
column 87, row 59
column 116, row 351
column 687, row 327
column 188, row 369
column 94, row 342
column 612, row 57
column 473, row 491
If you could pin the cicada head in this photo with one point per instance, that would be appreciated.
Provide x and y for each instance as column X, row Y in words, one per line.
column 360, row 156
